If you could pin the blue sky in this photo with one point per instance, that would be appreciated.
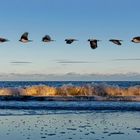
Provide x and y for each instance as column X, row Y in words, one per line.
column 80, row 19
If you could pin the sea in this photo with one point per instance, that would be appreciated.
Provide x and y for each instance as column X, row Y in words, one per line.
column 68, row 120
column 17, row 84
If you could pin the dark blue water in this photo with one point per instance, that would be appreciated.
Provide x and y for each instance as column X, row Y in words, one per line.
column 67, row 105
column 17, row 84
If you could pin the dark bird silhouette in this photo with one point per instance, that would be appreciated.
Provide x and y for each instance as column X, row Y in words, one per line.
column 24, row 38
column 116, row 41
column 93, row 43
column 2, row 40
column 70, row 41
column 47, row 38
column 136, row 39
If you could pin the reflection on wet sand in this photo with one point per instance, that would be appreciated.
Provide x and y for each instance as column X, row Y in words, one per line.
column 75, row 125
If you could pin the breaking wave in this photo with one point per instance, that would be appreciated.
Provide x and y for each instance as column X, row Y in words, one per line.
column 71, row 90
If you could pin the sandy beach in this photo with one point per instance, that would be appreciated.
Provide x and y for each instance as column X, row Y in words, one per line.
column 65, row 125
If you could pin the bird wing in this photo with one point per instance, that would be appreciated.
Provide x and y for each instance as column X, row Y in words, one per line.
column 47, row 37
column 25, row 36
column 3, row 39
column 138, row 38
column 115, row 41
column 69, row 41
column 119, row 43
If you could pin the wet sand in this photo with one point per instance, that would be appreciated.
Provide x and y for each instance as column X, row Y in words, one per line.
column 66, row 125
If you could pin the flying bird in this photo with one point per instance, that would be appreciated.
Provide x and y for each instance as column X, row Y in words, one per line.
column 93, row 43
column 2, row 40
column 136, row 39
column 47, row 38
column 116, row 41
column 24, row 38
column 70, row 41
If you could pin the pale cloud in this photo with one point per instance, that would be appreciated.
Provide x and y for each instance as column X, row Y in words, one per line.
column 20, row 62
column 127, row 59
column 71, row 77
column 67, row 61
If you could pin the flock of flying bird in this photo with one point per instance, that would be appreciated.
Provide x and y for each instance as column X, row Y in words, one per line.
column 93, row 42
